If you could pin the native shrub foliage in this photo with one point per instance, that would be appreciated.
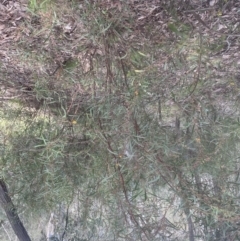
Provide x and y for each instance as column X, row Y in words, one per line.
column 138, row 134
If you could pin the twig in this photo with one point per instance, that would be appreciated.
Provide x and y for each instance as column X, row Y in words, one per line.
column 66, row 224
column 6, row 232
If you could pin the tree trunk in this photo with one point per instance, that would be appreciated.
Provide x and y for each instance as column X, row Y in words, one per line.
column 12, row 215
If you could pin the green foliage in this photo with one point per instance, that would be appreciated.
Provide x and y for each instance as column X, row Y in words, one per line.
column 36, row 5
column 137, row 131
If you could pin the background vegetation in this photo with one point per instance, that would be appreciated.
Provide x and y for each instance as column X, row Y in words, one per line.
column 121, row 118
